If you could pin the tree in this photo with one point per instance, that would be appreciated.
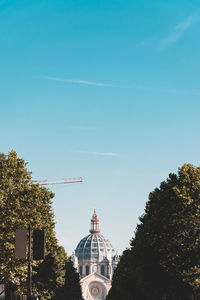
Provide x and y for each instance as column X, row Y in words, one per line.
column 22, row 203
column 49, row 275
column 71, row 289
column 164, row 257
column 123, row 278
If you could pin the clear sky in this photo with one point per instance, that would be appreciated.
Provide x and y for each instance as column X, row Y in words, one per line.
column 106, row 90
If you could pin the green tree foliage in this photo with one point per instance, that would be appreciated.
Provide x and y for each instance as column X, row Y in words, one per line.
column 123, row 278
column 49, row 275
column 71, row 289
column 164, row 257
column 23, row 203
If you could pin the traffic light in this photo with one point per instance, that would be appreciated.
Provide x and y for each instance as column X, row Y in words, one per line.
column 38, row 244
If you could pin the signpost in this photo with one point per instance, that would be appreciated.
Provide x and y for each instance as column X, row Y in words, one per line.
column 38, row 252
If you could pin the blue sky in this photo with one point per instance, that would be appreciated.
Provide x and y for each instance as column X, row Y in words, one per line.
column 106, row 90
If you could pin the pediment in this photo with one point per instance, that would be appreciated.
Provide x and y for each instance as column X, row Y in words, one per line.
column 95, row 276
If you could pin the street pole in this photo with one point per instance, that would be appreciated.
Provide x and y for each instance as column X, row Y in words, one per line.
column 29, row 264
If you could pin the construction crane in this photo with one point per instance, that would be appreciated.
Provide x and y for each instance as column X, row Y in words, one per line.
column 62, row 181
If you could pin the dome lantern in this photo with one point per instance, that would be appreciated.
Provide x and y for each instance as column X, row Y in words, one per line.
column 94, row 223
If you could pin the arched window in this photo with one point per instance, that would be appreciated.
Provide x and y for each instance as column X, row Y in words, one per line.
column 102, row 270
column 81, row 270
column 87, row 270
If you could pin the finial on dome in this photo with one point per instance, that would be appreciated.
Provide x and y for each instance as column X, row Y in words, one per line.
column 95, row 223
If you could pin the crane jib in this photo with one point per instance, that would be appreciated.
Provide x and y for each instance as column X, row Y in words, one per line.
column 62, row 181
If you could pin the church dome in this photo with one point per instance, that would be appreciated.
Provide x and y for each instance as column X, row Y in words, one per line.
column 95, row 260
column 94, row 246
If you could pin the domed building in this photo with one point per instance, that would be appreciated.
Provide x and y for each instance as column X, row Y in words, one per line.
column 96, row 260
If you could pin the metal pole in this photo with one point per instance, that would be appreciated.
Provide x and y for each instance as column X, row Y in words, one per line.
column 29, row 264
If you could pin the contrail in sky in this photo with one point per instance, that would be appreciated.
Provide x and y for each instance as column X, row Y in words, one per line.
column 102, row 84
column 134, row 87
column 99, row 153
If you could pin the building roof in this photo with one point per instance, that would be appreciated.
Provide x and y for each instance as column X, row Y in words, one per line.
column 94, row 246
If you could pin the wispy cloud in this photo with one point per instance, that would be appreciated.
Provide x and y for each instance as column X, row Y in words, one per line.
column 99, row 153
column 178, row 31
column 84, row 127
column 84, row 82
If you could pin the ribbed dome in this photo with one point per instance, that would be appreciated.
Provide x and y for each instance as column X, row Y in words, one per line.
column 94, row 246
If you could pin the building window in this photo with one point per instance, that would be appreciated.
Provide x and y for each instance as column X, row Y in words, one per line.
column 102, row 270
column 109, row 270
column 87, row 270
column 81, row 270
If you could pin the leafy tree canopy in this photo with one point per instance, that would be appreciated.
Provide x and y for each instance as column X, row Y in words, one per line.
column 23, row 203
column 164, row 257
column 71, row 289
column 49, row 275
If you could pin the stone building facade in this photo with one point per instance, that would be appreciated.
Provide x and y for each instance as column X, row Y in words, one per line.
column 96, row 260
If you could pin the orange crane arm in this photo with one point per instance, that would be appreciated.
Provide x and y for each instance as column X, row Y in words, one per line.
column 62, row 181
